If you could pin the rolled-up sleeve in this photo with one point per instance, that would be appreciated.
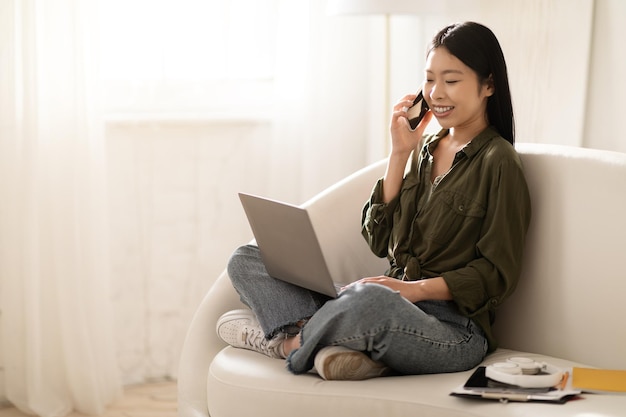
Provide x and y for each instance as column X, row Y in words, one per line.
column 377, row 221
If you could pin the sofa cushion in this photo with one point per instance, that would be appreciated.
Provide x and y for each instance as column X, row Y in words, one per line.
column 242, row 382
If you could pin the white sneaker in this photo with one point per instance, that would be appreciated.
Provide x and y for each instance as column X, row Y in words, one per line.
column 341, row 363
column 241, row 329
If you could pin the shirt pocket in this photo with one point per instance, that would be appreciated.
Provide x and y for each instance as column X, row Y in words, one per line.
column 457, row 219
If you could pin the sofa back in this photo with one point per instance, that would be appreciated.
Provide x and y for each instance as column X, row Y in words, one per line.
column 571, row 299
column 336, row 217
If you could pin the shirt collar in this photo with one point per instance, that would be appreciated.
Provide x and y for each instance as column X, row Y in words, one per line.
column 472, row 147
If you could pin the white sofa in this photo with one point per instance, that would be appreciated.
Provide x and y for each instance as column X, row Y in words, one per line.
column 569, row 307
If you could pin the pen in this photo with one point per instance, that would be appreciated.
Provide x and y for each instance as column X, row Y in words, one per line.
column 563, row 382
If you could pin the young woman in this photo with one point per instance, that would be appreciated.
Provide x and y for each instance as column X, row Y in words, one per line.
column 453, row 229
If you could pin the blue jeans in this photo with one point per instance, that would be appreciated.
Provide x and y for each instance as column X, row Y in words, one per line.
column 421, row 338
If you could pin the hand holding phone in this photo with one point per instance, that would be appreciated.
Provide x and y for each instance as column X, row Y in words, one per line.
column 417, row 111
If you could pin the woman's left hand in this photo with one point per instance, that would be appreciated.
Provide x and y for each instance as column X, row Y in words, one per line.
column 391, row 283
column 414, row 291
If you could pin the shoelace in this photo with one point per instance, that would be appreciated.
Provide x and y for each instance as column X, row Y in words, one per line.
column 255, row 339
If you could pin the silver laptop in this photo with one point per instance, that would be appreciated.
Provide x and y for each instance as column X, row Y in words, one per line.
column 288, row 244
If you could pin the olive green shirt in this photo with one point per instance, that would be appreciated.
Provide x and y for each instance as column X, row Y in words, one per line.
column 468, row 227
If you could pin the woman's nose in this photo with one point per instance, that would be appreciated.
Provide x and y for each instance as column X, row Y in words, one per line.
column 436, row 92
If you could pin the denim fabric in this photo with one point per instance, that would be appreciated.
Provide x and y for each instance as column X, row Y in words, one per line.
column 426, row 337
column 277, row 304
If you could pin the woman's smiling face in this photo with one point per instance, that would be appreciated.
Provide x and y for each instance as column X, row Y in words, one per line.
column 453, row 92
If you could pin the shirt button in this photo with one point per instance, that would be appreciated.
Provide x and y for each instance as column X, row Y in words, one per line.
column 461, row 207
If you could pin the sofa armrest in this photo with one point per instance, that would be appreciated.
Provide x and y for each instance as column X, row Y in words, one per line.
column 201, row 345
column 335, row 214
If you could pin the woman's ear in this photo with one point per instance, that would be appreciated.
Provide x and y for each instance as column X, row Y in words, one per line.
column 490, row 86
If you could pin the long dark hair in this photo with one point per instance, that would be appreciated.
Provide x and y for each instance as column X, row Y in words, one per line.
column 478, row 48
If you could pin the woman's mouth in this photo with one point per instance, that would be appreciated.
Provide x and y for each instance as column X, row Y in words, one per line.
column 441, row 110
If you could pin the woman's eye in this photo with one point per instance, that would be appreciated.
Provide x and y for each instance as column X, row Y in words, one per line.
column 452, row 81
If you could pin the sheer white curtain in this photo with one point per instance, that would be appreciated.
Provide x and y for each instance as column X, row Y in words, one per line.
column 326, row 78
column 175, row 171
column 56, row 330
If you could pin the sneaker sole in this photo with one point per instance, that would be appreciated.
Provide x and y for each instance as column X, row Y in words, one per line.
column 336, row 363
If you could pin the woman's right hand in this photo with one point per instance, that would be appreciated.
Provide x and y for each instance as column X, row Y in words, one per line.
column 403, row 142
column 403, row 139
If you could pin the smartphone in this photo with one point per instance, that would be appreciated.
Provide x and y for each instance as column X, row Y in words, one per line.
column 416, row 112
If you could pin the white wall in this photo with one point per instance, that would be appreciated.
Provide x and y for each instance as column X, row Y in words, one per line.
column 607, row 83
column 546, row 44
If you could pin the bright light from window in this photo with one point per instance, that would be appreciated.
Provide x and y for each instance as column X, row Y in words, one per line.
column 187, row 56
column 187, row 39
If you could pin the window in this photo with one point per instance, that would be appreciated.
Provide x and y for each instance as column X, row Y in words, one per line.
column 187, row 58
